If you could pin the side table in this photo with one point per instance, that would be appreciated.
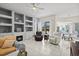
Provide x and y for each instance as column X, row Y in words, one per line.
column 46, row 37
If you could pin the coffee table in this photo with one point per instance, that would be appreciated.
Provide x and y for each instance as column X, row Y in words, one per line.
column 46, row 37
column 18, row 47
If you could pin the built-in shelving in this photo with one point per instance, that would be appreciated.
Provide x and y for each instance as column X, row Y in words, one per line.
column 5, row 16
column 11, row 21
column 18, row 22
column 5, row 29
column 29, row 28
column 5, row 20
column 19, row 18
column 19, row 28
column 29, row 18
column 28, row 23
column 5, row 12
column 5, row 24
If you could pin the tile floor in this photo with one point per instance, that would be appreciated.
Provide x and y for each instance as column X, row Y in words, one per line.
column 44, row 48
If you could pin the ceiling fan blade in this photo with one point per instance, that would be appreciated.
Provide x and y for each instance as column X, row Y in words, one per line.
column 36, row 6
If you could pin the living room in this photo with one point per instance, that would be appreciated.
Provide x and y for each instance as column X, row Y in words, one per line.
column 39, row 29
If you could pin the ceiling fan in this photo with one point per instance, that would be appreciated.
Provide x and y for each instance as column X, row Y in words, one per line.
column 36, row 6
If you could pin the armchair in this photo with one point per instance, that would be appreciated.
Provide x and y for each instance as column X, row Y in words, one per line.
column 55, row 39
column 38, row 36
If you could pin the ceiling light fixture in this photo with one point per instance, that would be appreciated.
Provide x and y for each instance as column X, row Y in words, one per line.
column 34, row 8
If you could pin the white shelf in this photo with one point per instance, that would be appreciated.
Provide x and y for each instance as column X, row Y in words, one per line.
column 19, row 23
column 5, row 16
column 18, row 32
column 9, row 33
column 28, row 26
column 28, row 21
column 4, row 24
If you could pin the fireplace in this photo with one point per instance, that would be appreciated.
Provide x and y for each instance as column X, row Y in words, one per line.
column 19, row 38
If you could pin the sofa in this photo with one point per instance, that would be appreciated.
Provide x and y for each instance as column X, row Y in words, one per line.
column 7, row 44
column 74, row 48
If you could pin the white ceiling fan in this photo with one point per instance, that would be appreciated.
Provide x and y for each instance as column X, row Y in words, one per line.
column 36, row 6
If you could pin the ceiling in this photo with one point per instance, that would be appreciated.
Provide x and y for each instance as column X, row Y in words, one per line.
column 59, row 9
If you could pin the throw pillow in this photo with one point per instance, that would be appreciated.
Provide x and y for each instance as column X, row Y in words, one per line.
column 8, row 43
column 11, row 37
